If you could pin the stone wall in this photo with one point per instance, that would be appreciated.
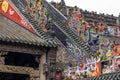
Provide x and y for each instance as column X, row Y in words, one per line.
column 63, row 57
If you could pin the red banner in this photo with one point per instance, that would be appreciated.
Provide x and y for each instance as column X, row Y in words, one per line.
column 9, row 11
column 58, row 75
column 98, row 68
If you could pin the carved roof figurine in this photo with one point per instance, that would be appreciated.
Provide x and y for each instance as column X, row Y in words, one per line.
column 63, row 8
column 118, row 20
column 63, row 3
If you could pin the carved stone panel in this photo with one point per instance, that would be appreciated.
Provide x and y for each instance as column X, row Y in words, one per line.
column 2, row 53
column 19, row 70
column 63, row 57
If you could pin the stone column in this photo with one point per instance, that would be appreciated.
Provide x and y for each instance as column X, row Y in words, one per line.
column 41, row 67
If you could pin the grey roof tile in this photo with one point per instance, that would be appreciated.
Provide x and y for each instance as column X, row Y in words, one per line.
column 12, row 32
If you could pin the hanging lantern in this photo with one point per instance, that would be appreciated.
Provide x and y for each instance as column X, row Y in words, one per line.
column 58, row 75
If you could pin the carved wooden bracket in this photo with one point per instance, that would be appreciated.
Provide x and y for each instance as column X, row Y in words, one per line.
column 45, row 68
column 2, row 54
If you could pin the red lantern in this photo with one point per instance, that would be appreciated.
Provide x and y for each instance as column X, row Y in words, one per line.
column 58, row 75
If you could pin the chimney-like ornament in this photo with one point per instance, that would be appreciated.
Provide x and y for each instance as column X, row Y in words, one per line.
column 63, row 8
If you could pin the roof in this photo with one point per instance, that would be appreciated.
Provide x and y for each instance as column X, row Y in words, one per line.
column 12, row 32
column 112, row 38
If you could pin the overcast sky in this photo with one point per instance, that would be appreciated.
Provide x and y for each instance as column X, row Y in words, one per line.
column 99, row 6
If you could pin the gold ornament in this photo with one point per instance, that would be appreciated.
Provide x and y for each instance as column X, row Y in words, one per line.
column 5, row 6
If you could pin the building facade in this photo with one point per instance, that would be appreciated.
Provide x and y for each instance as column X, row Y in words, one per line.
column 23, row 55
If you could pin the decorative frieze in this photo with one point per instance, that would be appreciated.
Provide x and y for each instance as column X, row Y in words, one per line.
column 19, row 70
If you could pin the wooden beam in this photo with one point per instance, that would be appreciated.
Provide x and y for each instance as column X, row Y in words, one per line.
column 21, row 49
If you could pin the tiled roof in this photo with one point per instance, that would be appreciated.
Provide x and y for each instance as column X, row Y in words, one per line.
column 112, row 38
column 12, row 32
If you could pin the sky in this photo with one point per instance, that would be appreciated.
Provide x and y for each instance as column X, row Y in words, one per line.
column 100, row 6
